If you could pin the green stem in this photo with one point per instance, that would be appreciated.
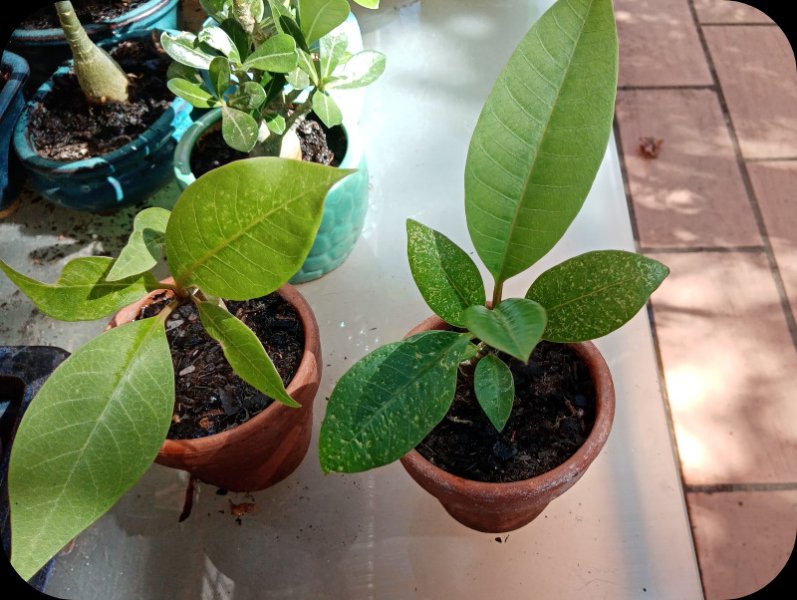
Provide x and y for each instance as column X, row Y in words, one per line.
column 100, row 78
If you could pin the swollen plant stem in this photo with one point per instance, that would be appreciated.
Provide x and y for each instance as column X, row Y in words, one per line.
column 242, row 9
column 100, row 78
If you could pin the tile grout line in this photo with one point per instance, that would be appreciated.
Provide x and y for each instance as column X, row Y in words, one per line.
column 682, row 87
column 785, row 305
column 740, row 487
column 736, row 24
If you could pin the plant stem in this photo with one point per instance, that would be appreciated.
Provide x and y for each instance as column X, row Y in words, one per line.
column 242, row 10
column 100, row 78
column 497, row 293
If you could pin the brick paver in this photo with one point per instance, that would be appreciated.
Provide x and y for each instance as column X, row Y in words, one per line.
column 726, row 11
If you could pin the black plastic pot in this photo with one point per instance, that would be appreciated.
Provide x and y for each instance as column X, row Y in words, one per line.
column 23, row 370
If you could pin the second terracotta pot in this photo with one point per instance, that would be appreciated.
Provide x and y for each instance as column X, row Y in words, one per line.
column 268, row 447
column 501, row 507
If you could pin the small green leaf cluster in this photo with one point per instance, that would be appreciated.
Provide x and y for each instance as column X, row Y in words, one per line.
column 533, row 157
column 97, row 423
column 266, row 64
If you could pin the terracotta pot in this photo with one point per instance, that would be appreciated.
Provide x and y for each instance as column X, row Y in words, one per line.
column 268, row 447
column 500, row 507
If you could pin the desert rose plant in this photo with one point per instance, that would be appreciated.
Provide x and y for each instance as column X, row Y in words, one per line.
column 266, row 64
column 97, row 423
column 532, row 160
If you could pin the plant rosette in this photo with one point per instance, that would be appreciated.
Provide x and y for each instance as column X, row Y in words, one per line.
column 46, row 49
column 533, row 157
column 266, row 448
column 345, row 206
column 12, row 102
column 101, row 419
column 109, row 181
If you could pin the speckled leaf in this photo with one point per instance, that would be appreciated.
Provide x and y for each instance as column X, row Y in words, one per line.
column 244, row 352
column 333, row 48
column 238, row 36
column 144, row 247
column 181, row 47
column 326, row 109
column 217, row 38
column 388, row 401
column 243, row 229
column 318, row 17
column 446, row 276
column 238, row 128
column 277, row 54
column 514, row 326
column 541, row 136
column 82, row 292
column 89, row 435
column 495, row 389
column 595, row 293
column 360, row 70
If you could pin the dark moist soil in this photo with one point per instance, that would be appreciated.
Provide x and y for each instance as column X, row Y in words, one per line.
column 209, row 396
column 319, row 145
column 65, row 127
column 88, row 11
column 552, row 416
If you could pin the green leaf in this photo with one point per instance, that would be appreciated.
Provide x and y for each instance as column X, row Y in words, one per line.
column 258, row 9
column 82, row 292
column 389, row 401
column 360, row 70
column 217, row 38
column 193, row 93
column 318, row 17
column 239, row 37
column 298, row 79
column 181, row 47
column 514, row 326
column 276, row 123
column 307, row 65
column 244, row 352
column 215, row 9
column 238, row 128
column 243, row 229
column 290, row 27
column 333, row 48
column 89, row 435
column 250, row 96
column 447, row 278
column 144, row 247
column 541, row 136
column 595, row 293
column 495, row 389
column 277, row 54
column 470, row 352
column 180, row 71
column 326, row 109
column 368, row 3
column 220, row 75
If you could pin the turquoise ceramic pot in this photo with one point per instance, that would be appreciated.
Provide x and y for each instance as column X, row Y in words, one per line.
column 11, row 105
column 108, row 182
column 344, row 208
column 46, row 49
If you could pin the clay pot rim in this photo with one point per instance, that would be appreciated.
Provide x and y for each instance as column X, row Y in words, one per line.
column 550, row 480
column 306, row 371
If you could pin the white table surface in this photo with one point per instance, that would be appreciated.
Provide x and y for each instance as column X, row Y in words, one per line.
column 621, row 532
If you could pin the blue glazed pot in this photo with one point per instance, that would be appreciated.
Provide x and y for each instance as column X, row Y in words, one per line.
column 108, row 182
column 23, row 370
column 46, row 49
column 344, row 208
column 11, row 105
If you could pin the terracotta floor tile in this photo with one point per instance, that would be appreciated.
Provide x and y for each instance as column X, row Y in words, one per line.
column 743, row 539
column 775, row 184
column 729, row 367
column 692, row 194
column 756, row 70
column 726, row 11
column 659, row 44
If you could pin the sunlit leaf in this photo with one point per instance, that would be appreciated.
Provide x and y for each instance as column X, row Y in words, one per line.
column 144, row 247
column 318, row 17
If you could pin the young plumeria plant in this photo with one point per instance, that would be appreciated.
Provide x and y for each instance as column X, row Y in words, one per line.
column 97, row 423
column 532, row 159
column 100, row 77
column 267, row 63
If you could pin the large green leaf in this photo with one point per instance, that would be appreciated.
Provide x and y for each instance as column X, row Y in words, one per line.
column 360, row 70
column 242, row 230
column 595, row 293
column 244, row 352
column 388, row 401
column 277, row 54
column 181, row 47
column 144, row 247
column 82, row 292
column 446, row 276
column 238, row 128
column 541, row 136
column 92, row 431
column 318, row 17
column 495, row 389
column 191, row 92
column 514, row 326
